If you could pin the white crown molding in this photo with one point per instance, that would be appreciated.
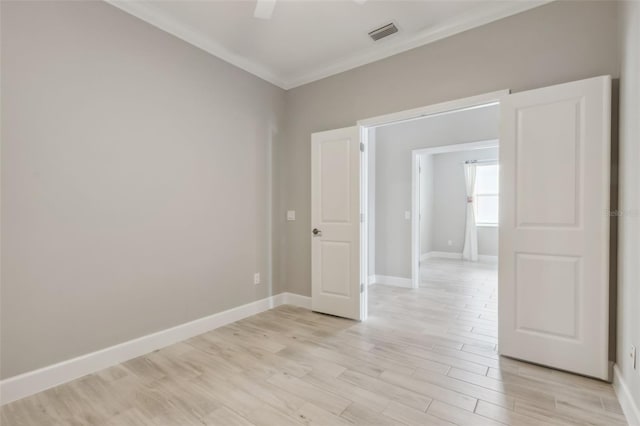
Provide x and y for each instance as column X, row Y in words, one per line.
column 399, row 45
column 32, row 382
column 147, row 13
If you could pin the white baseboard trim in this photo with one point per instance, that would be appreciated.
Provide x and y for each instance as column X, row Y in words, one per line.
column 629, row 407
column 296, row 300
column 451, row 255
column 443, row 255
column 392, row 281
column 32, row 382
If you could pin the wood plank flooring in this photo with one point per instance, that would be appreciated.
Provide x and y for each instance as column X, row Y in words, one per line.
column 424, row 357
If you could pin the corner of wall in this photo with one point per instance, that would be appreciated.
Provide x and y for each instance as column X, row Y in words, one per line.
column 627, row 378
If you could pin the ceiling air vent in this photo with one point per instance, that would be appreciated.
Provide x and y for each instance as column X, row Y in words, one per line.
column 383, row 31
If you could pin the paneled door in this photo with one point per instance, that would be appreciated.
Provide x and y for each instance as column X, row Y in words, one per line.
column 335, row 222
column 554, row 229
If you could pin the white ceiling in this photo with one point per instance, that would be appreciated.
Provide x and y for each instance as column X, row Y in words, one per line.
column 306, row 40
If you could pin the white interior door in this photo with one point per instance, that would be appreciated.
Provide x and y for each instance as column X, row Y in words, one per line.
column 554, row 232
column 335, row 221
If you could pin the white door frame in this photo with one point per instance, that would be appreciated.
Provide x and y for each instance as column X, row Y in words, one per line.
column 364, row 224
column 415, row 196
column 456, row 105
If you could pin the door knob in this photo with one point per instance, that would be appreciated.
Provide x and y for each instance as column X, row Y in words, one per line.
column 316, row 231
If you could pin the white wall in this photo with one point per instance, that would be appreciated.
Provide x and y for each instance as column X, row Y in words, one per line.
column 393, row 176
column 450, row 203
column 629, row 200
column 135, row 181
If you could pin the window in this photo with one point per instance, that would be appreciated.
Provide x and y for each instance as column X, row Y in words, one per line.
column 486, row 195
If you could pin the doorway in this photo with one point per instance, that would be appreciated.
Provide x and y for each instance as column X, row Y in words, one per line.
column 417, row 275
column 554, row 184
column 446, row 218
column 393, row 145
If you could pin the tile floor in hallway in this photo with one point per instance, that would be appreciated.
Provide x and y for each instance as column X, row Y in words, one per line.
column 424, row 357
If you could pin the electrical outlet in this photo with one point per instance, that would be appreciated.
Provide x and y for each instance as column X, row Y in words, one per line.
column 634, row 357
column 291, row 215
column 256, row 278
column 407, row 215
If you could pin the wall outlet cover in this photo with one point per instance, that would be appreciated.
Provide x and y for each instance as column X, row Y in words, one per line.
column 291, row 215
column 256, row 278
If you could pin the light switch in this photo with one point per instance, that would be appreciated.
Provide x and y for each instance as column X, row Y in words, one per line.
column 407, row 215
column 291, row 215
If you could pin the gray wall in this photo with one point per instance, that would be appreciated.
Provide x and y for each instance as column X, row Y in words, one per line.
column 394, row 144
column 488, row 241
column 135, row 181
column 450, row 203
column 559, row 42
column 629, row 198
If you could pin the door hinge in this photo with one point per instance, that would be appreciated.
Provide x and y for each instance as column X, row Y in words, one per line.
column 361, row 287
column 361, row 147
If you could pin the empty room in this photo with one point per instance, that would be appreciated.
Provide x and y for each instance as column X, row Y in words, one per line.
column 319, row 212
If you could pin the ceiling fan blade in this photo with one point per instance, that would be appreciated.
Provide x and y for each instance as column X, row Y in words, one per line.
column 264, row 9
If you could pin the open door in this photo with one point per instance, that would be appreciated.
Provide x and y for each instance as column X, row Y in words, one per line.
column 335, row 221
column 554, row 230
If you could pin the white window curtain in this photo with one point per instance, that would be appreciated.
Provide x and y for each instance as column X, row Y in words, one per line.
column 470, row 250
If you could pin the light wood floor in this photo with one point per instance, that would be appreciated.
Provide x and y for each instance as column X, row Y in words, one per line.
column 425, row 357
